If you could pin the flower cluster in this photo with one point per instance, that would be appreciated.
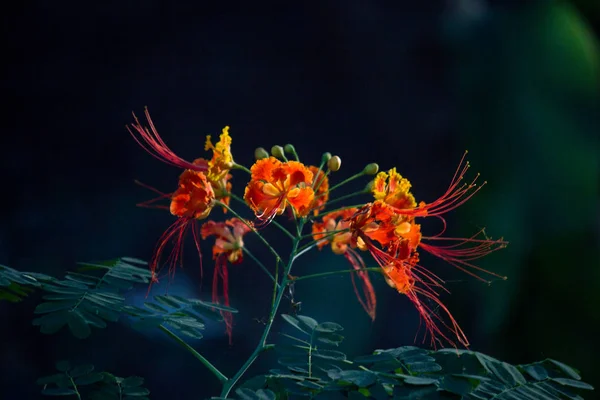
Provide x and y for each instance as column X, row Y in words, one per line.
column 386, row 227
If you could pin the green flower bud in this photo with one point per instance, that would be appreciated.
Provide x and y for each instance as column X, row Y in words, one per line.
column 277, row 151
column 334, row 163
column 260, row 153
column 371, row 169
column 326, row 157
column 289, row 148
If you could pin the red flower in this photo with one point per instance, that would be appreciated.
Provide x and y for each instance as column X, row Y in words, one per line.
column 228, row 246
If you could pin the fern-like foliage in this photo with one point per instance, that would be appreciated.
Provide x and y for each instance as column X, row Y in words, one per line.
column 94, row 295
column 84, row 383
column 89, row 298
column 16, row 285
column 188, row 316
column 313, row 369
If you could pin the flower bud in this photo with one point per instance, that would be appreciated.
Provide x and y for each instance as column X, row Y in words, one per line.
column 277, row 151
column 334, row 163
column 289, row 148
column 371, row 169
column 368, row 187
column 260, row 153
column 326, row 157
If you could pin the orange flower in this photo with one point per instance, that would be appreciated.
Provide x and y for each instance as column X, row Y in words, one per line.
column 387, row 229
column 275, row 185
column 228, row 246
column 200, row 184
column 321, row 184
column 192, row 201
column 332, row 230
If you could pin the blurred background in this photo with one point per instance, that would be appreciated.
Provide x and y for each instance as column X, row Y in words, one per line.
column 408, row 85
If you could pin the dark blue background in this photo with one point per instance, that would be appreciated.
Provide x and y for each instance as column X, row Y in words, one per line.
column 405, row 85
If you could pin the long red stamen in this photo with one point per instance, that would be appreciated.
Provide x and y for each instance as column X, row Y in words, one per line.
column 423, row 283
column 221, row 273
column 455, row 195
column 153, row 144
column 369, row 302
column 148, row 203
column 460, row 254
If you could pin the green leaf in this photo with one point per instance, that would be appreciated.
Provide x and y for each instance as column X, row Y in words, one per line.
column 156, row 307
column 357, row 377
column 506, row 373
column 63, row 365
column 332, row 339
column 419, row 380
column 536, row 371
column 93, row 320
column 329, row 354
column 211, row 306
column 457, row 385
column 328, row 327
column 167, row 301
column 56, row 378
column 573, row 383
column 571, row 372
column 87, row 280
column 132, row 381
column 294, row 322
column 52, row 323
column 81, row 370
column 49, row 307
column 78, row 325
column 424, row 367
column 308, row 321
column 132, row 260
column 136, row 391
column 59, row 392
column 89, row 379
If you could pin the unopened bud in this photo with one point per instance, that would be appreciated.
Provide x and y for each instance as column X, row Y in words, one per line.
column 326, row 157
column 289, row 148
column 260, row 153
column 277, row 151
column 371, row 169
column 368, row 187
column 334, row 163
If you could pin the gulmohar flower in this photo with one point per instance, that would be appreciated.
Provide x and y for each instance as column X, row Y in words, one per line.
column 228, row 247
column 200, row 184
column 387, row 229
column 276, row 185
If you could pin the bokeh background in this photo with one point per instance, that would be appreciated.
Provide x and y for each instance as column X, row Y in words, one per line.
column 413, row 85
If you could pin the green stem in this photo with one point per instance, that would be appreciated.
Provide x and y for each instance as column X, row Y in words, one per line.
column 325, row 234
column 207, row 364
column 238, row 166
column 74, row 387
column 345, row 271
column 346, row 196
column 353, row 177
column 229, row 384
column 251, row 228
column 260, row 264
